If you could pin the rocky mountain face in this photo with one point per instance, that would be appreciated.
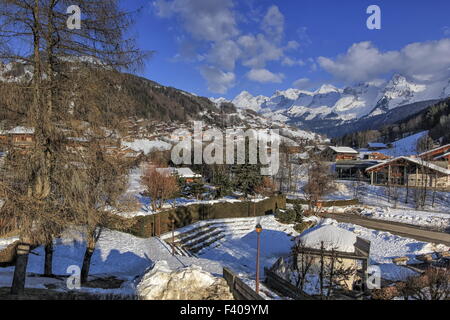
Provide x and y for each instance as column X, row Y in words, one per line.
column 329, row 107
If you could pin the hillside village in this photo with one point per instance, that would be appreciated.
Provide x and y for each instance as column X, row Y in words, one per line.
column 381, row 183
column 117, row 187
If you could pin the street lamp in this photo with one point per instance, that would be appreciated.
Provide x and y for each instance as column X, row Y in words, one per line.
column 173, row 235
column 258, row 230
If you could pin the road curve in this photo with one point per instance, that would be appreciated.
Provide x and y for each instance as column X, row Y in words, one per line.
column 397, row 228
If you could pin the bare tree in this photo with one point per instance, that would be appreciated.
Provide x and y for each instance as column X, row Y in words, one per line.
column 40, row 198
column 160, row 186
column 434, row 284
column 319, row 183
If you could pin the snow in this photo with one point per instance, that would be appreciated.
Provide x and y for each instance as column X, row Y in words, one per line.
column 436, row 220
column 404, row 147
column 386, row 246
column 332, row 237
column 4, row 242
column 117, row 254
column 345, row 104
column 18, row 130
column 343, row 150
column 190, row 283
column 147, row 146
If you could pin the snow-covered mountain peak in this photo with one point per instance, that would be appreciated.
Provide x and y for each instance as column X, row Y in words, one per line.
column 327, row 88
column 245, row 100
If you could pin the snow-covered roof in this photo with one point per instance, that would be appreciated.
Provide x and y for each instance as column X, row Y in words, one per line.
column 343, row 150
column 181, row 172
column 18, row 130
column 445, row 155
column 416, row 161
column 447, row 146
column 187, row 173
column 333, row 238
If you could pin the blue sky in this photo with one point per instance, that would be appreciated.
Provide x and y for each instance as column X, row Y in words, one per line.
column 222, row 47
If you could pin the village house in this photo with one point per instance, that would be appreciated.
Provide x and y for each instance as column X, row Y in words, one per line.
column 185, row 173
column 350, row 252
column 439, row 156
column 375, row 156
column 409, row 171
column 18, row 137
column 334, row 154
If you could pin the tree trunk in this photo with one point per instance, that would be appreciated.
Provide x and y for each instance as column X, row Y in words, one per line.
column 86, row 264
column 48, row 266
column 20, row 270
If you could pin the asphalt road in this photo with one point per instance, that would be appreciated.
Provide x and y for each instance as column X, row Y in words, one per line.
column 397, row 228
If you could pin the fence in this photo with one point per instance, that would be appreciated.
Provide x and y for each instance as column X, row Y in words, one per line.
column 239, row 289
column 147, row 226
column 284, row 287
column 327, row 203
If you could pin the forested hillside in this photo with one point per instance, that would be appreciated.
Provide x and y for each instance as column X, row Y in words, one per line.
column 435, row 119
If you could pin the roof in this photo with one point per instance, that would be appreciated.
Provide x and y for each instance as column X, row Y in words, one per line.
column 333, row 238
column 343, row 150
column 18, row 130
column 377, row 145
column 187, row 173
column 445, row 155
column 413, row 160
column 447, row 146
column 181, row 172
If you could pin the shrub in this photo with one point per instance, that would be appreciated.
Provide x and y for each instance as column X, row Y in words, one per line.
column 290, row 216
column 302, row 226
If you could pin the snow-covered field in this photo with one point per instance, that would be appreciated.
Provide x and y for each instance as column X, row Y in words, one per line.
column 127, row 257
column 375, row 204
column 435, row 220
column 117, row 254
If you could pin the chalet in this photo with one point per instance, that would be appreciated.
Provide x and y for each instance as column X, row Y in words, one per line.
column 334, row 154
column 375, row 146
column 185, row 173
column 439, row 156
column 324, row 242
column 375, row 156
column 18, row 137
column 409, row 171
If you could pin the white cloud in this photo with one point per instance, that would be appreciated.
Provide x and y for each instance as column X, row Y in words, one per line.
column 291, row 62
column 264, row 76
column 364, row 62
column 211, row 20
column 301, row 83
column 257, row 51
column 210, row 36
column 218, row 81
column 224, row 54
column 273, row 23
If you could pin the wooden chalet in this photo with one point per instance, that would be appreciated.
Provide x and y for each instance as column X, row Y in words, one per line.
column 334, row 154
column 409, row 171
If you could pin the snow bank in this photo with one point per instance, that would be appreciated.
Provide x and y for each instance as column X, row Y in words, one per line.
column 192, row 283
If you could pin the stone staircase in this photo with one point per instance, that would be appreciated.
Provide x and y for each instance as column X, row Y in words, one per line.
column 193, row 239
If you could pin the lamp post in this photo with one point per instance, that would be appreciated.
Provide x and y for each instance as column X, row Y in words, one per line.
column 258, row 230
column 173, row 236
